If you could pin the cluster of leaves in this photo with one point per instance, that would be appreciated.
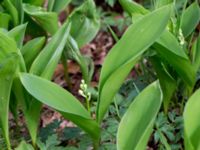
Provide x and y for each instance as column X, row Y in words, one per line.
column 40, row 55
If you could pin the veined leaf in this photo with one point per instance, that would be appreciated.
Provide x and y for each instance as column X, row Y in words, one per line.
column 56, row 97
column 190, row 19
column 8, row 67
column 137, row 123
column 192, row 122
column 31, row 49
column 47, row 20
column 133, row 45
column 45, row 64
column 4, row 19
column 85, row 23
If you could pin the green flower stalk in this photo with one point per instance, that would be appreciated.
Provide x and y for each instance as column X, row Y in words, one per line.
column 83, row 91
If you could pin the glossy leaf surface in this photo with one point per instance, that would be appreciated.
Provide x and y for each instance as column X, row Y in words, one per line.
column 17, row 34
column 56, row 97
column 31, row 49
column 8, row 67
column 192, row 122
column 118, row 64
column 137, row 123
column 46, row 62
column 191, row 18
column 44, row 65
column 4, row 19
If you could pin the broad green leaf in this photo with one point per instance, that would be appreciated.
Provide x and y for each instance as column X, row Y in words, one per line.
column 17, row 34
column 137, row 123
column 118, row 64
column 190, row 19
column 168, row 84
column 85, row 23
column 34, row 2
column 196, row 54
column 31, row 49
column 56, row 97
column 57, row 5
column 132, row 7
column 8, row 67
column 47, row 20
column 7, row 45
column 44, row 65
column 192, row 122
column 46, row 62
column 4, row 20
column 12, row 10
column 24, row 146
column 160, row 3
column 169, row 48
column 167, row 39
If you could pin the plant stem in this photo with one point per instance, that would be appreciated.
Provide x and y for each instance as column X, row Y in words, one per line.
column 88, row 105
column 66, row 73
column 117, row 109
column 95, row 144
column 8, row 144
